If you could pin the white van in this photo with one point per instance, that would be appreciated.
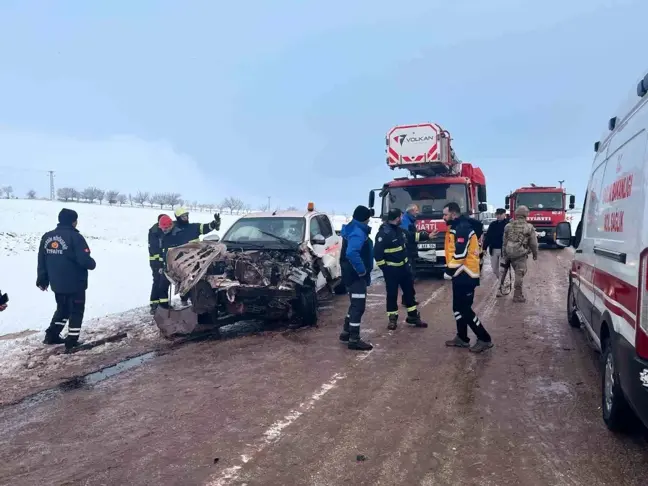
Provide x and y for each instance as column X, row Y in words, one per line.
column 608, row 283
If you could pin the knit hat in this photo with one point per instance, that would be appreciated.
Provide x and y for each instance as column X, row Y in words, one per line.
column 393, row 214
column 67, row 216
column 165, row 223
column 361, row 213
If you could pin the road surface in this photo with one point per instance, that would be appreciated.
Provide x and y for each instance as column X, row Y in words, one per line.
column 298, row 408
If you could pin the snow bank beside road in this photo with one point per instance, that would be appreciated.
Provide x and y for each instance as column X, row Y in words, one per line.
column 117, row 237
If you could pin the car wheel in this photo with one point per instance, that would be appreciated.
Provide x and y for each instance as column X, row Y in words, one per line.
column 308, row 307
column 572, row 317
column 616, row 411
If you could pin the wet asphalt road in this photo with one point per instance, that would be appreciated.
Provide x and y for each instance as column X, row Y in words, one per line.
column 298, row 408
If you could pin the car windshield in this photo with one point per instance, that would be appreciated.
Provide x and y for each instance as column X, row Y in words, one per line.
column 276, row 230
column 430, row 199
column 540, row 200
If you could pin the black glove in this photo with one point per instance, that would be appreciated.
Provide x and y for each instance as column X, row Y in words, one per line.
column 217, row 221
column 424, row 235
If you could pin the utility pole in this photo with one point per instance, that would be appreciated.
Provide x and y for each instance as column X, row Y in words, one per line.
column 269, row 197
column 561, row 183
column 51, row 176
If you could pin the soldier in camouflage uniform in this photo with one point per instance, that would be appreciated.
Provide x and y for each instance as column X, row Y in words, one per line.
column 519, row 240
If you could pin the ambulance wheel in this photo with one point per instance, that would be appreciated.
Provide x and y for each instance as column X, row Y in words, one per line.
column 572, row 317
column 616, row 412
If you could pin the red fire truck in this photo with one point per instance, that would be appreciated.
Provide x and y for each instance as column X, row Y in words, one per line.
column 436, row 177
column 547, row 208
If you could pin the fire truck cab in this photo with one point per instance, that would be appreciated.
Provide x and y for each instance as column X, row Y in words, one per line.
column 436, row 177
column 547, row 207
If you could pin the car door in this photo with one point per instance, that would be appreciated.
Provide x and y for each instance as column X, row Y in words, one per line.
column 318, row 249
column 584, row 261
column 618, row 243
column 333, row 246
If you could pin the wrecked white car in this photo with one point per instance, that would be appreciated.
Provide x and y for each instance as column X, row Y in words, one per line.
column 268, row 266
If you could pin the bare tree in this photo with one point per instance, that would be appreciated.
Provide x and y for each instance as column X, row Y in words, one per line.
column 65, row 194
column 236, row 204
column 292, row 208
column 130, row 199
column 89, row 194
column 31, row 194
column 100, row 193
column 173, row 199
column 8, row 191
column 122, row 199
column 158, row 199
column 76, row 194
column 111, row 197
column 141, row 197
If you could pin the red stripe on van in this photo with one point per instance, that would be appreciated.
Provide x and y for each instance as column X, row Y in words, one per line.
column 616, row 289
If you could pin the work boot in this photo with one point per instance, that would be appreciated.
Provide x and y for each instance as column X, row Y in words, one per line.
column 415, row 320
column 518, row 297
column 70, row 344
column 457, row 342
column 344, row 335
column 393, row 323
column 52, row 338
column 359, row 345
column 499, row 293
column 153, row 309
column 481, row 346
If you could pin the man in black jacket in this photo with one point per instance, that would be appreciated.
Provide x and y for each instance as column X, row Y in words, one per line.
column 392, row 258
column 494, row 239
column 155, row 261
column 63, row 263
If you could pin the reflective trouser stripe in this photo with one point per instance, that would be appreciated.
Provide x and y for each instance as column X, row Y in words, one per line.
column 358, row 296
column 457, row 316
column 354, row 324
column 162, row 301
column 155, row 301
column 411, row 309
column 154, row 257
column 392, row 313
column 74, row 331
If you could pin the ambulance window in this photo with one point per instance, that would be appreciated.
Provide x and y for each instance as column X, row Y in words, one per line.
column 315, row 228
column 593, row 228
column 325, row 226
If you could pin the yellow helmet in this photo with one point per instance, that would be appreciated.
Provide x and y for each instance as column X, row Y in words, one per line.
column 180, row 211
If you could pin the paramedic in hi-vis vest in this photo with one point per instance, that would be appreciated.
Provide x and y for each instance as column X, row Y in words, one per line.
column 462, row 267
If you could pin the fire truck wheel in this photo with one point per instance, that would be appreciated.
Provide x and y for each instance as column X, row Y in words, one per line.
column 616, row 412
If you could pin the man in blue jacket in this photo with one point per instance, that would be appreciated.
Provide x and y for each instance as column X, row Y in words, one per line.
column 63, row 263
column 356, row 260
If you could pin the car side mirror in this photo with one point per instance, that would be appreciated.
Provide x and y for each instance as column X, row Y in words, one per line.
column 318, row 240
column 572, row 202
column 563, row 234
column 211, row 237
column 482, row 207
column 372, row 199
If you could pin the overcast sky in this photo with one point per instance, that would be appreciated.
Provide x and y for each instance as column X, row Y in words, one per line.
column 292, row 99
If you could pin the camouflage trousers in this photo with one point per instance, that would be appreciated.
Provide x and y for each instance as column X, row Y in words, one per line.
column 519, row 266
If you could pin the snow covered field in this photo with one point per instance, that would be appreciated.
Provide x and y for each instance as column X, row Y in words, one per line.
column 117, row 237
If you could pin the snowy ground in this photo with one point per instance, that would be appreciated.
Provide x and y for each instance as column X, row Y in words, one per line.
column 117, row 238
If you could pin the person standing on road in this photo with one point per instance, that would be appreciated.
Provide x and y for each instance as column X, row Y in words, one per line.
column 166, row 226
column 408, row 223
column 185, row 232
column 63, row 263
column 155, row 261
column 493, row 241
column 462, row 267
column 392, row 258
column 518, row 241
column 356, row 260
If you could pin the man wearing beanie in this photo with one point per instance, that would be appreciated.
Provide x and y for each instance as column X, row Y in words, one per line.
column 63, row 263
column 356, row 260
column 392, row 257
